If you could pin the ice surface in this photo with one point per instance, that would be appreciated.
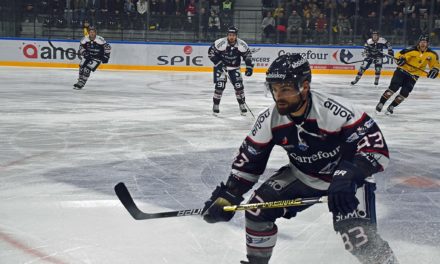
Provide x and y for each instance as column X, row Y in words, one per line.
column 62, row 151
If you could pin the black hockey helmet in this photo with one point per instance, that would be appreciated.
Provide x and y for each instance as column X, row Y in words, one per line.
column 90, row 28
column 289, row 68
column 424, row 37
column 375, row 32
column 233, row 30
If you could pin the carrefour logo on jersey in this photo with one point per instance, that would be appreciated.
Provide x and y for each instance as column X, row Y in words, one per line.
column 181, row 60
column 35, row 51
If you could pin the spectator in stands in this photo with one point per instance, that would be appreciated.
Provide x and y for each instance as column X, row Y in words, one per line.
column 398, row 24
column 214, row 6
column 321, row 28
column 267, row 3
column 294, row 25
column 68, row 12
column 93, row 7
column 268, row 26
column 277, row 12
column 142, row 9
column 424, row 22
column 281, row 28
column 413, row 29
column 191, row 11
column 410, row 8
column 213, row 25
column 294, row 5
column 422, row 8
column 308, row 27
column 28, row 11
column 346, row 8
column 204, row 16
column 344, row 29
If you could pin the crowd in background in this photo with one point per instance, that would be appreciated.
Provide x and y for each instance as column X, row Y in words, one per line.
column 283, row 21
column 314, row 21
column 190, row 15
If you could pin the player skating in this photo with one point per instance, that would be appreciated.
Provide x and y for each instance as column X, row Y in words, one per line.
column 226, row 54
column 373, row 48
column 94, row 50
column 334, row 149
column 410, row 64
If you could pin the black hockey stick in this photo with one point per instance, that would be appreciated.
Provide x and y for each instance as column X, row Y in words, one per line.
column 351, row 62
column 250, row 111
column 410, row 65
column 63, row 50
column 126, row 199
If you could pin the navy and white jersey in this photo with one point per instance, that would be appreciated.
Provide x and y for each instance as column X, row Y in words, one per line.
column 230, row 54
column 374, row 49
column 332, row 130
column 97, row 48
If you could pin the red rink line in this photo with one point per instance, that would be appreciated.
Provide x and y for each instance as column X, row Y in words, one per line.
column 30, row 251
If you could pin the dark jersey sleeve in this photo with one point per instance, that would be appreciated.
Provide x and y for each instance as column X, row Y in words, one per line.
column 365, row 145
column 214, row 54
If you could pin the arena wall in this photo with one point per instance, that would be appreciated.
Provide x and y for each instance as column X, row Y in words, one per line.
column 174, row 56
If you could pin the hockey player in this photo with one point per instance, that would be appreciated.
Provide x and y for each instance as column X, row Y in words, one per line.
column 373, row 54
column 409, row 62
column 334, row 149
column 94, row 50
column 226, row 54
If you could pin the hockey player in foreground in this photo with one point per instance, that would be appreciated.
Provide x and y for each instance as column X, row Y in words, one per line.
column 226, row 54
column 333, row 148
column 94, row 50
column 373, row 48
column 409, row 62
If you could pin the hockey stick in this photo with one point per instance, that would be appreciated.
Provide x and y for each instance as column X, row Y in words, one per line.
column 126, row 199
column 352, row 62
column 249, row 110
column 410, row 65
column 63, row 50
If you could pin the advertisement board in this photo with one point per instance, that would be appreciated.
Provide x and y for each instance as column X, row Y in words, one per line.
column 175, row 56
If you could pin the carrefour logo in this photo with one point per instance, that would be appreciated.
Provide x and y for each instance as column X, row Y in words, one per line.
column 35, row 51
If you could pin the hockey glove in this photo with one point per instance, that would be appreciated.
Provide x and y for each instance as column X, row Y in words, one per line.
column 221, row 67
column 391, row 53
column 342, row 190
column 213, row 210
column 105, row 58
column 400, row 61
column 249, row 70
column 433, row 73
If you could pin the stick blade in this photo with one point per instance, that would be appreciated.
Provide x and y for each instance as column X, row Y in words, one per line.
column 126, row 200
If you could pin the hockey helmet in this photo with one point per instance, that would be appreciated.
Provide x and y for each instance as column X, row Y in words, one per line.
column 424, row 37
column 91, row 28
column 233, row 30
column 290, row 68
column 374, row 32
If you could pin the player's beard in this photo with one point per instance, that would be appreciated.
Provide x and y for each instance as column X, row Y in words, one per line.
column 285, row 108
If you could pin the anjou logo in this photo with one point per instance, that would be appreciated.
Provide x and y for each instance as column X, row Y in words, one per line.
column 35, row 51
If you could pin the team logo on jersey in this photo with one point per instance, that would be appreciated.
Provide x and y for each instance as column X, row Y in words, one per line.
column 338, row 109
column 259, row 121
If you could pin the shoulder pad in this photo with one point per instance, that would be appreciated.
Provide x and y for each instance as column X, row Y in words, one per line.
column 369, row 41
column 382, row 40
column 261, row 132
column 242, row 46
column 84, row 40
column 221, row 44
column 433, row 52
column 333, row 113
column 100, row 40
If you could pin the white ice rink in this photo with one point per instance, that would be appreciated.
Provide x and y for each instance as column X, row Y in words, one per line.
column 62, row 151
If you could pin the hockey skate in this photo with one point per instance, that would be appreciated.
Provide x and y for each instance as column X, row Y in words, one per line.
column 379, row 107
column 376, row 81
column 255, row 260
column 78, row 85
column 355, row 80
column 390, row 110
column 215, row 109
column 243, row 109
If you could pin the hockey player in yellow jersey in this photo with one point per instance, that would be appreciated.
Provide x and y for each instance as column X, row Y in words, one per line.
column 411, row 63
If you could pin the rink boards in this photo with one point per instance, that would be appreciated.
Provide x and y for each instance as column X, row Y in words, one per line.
column 175, row 56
